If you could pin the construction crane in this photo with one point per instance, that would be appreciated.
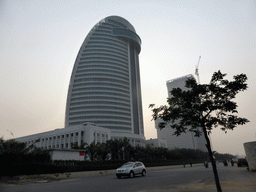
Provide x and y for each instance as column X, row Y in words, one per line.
column 197, row 71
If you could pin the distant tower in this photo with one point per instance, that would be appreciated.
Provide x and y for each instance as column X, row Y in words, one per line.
column 105, row 83
column 197, row 71
column 185, row 140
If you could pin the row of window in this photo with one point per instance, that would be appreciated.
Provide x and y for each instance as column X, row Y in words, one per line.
column 54, row 138
column 88, row 103
column 100, row 54
column 119, row 128
column 99, row 107
column 100, row 93
column 102, row 65
column 108, row 40
column 99, row 89
column 108, row 37
column 101, row 83
column 104, row 27
column 100, row 98
column 120, row 125
column 108, row 24
column 107, row 43
column 60, row 146
column 109, row 59
column 43, row 142
column 105, row 51
column 99, row 112
column 109, row 64
column 105, row 47
column 100, row 117
column 102, row 75
column 103, row 31
column 101, row 79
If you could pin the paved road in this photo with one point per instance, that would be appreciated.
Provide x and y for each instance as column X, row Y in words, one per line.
column 178, row 179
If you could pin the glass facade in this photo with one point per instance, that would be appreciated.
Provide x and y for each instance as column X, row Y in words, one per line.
column 105, row 83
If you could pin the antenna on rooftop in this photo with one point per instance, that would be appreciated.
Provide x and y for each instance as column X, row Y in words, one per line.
column 197, row 71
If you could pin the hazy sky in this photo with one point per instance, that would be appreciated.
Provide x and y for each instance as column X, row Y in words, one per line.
column 40, row 39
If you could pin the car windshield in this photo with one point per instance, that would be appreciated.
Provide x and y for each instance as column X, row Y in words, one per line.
column 127, row 165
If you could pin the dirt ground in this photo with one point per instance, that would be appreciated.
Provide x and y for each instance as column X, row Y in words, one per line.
column 22, row 180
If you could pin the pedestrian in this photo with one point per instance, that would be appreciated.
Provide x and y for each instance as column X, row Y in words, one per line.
column 206, row 164
column 225, row 162
column 184, row 164
column 190, row 164
column 232, row 162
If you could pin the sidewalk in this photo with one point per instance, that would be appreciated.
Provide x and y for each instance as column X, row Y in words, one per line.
column 237, row 179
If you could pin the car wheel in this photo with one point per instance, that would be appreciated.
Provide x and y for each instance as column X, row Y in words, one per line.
column 143, row 173
column 131, row 174
column 119, row 176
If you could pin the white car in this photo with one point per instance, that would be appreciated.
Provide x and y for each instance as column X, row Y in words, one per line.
column 130, row 169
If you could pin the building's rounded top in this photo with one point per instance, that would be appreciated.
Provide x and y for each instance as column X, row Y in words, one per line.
column 122, row 21
column 123, row 30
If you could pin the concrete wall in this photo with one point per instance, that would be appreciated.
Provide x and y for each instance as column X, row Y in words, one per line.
column 156, row 143
column 250, row 152
column 67, row 154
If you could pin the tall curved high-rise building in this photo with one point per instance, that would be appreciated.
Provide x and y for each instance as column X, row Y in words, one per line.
column 105, row 83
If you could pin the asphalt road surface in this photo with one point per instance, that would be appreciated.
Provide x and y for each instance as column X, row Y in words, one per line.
column 196, row 178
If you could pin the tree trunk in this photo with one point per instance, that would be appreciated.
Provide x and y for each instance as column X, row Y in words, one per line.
column 214, row 168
